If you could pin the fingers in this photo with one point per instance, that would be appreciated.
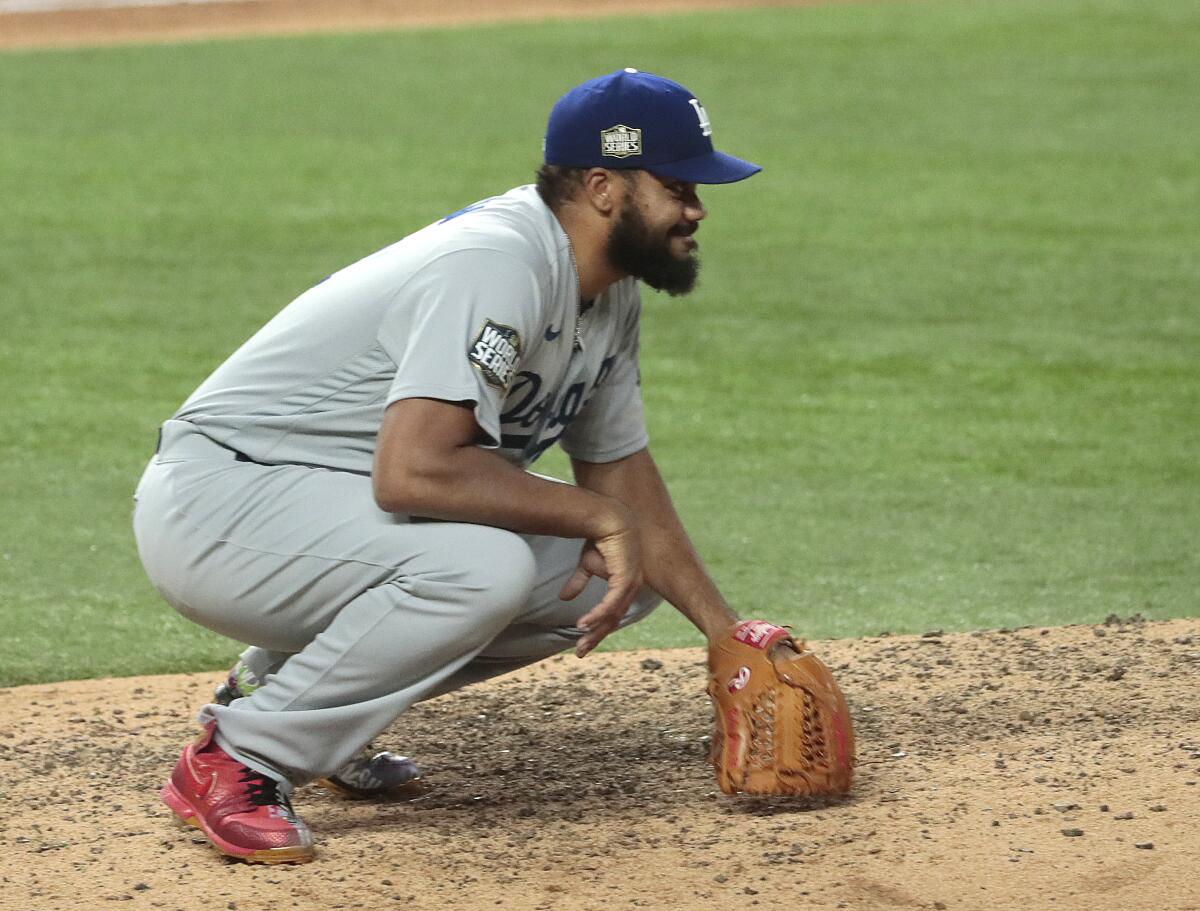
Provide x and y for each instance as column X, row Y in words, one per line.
column 606, row 616
column 589, row 642
column 613, row 605
column 593, row 638
column 577, row 583
column 617, row 557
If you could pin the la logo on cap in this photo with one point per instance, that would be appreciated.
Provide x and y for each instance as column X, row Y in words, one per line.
column 620, row 141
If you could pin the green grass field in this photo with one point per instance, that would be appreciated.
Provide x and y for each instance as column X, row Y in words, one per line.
column 943, row 371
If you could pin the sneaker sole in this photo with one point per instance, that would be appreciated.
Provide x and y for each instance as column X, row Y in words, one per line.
column 414, row 787
column 185, row 813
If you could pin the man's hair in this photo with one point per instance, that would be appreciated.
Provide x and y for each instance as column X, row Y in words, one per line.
column 557, row 184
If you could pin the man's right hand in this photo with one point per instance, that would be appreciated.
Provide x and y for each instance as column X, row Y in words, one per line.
column 616, row 557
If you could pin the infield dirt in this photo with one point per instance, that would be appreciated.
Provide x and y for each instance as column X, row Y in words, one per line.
column 1035, row 768
column 182, row 21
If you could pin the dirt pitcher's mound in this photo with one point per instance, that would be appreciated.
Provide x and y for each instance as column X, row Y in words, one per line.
column 1017, row 769
column 94, row 23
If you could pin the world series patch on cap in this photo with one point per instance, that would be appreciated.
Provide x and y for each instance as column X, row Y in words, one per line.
column 630, row 119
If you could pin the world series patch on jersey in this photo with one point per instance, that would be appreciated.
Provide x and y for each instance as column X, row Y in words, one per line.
column 496, row 353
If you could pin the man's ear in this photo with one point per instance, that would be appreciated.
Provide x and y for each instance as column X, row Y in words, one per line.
column 605, row 190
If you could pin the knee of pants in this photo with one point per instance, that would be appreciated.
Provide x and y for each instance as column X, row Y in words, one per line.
column 486, row 572
column 565, row 614
column 647, row 599
column 548, row 635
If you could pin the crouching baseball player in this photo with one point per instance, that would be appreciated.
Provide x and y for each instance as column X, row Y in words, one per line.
column 348, row 492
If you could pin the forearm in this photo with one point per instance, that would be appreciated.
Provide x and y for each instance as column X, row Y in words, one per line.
column 670, row 563
column 672, row 568
column 427, row 463
column 476, row 485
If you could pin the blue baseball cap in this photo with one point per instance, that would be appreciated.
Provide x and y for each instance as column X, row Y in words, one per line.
column 630, row 119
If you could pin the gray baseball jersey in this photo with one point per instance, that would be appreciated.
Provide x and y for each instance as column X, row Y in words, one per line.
column 482, row 306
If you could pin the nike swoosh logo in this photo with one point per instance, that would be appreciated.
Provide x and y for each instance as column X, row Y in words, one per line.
column 551, row 335
column 203, row 786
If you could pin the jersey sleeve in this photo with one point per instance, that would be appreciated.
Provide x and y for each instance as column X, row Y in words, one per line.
column 458, row 329
column 612, row 423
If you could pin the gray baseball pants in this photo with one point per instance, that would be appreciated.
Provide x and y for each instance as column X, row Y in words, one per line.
column 355, row 613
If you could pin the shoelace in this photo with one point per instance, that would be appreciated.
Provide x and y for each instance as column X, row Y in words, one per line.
column 263, row 790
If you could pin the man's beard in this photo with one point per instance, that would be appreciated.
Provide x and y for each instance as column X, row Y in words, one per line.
column 634, row 250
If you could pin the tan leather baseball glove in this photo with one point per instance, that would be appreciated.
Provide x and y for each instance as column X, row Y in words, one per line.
column 782, row 725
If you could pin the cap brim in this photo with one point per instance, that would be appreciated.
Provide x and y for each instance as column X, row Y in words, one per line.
column 712, row 167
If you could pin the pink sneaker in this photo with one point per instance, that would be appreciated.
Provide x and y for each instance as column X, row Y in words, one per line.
column 243, row 812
